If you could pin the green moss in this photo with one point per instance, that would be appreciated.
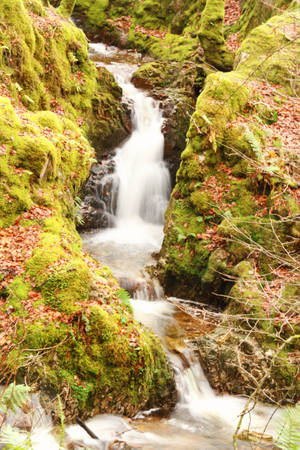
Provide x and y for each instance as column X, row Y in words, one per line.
column 173, row 48
column 202, row 201
column 255, row 12
column 211, row 35
column 107, row 370
column 35, row 6
column 274, row 39
column 150, row 14
column 96, row 13
column 34, row 153
column 42, row 334
column 190, row 169
column 48, row 119
column 66, row 8
column 44, row 160
column 240, row 195
column 9, row 122
column 217, row 267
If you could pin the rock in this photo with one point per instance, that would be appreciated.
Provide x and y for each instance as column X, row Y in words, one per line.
column 59, row 335
column 211, row 35
column 113, row 116
column 99, row 194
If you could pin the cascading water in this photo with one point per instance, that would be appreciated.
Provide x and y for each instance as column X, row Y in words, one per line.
column 144, row 183
column 140, row 182
column 141, row 178
column 201, row 419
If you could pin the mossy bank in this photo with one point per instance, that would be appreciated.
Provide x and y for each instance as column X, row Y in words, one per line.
column 166, row 30
column 236, row 201
column 65, row 326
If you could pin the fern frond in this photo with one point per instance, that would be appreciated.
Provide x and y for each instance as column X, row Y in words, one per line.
column 289, row 435
column 254, row 144
column 14, row 396
column 13, row 438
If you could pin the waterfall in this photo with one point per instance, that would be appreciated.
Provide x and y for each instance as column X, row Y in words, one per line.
column 141, row 178
column 144, row 182
column 141, row 185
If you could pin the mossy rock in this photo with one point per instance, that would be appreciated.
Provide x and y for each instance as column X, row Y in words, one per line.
column 271, row 39
column 256, row 12
column 56, row 74
column 211, row 35
column 239, row 358
column 177, row 23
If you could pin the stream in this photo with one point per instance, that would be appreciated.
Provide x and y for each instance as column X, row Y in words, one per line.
column 141, row 188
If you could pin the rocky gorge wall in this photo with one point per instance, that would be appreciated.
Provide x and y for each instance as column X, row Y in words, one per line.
column 65, row 325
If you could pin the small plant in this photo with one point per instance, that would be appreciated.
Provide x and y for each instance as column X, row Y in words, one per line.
column 77, row 216
column 254, row 143
column 181, row 236
column 12, row 438
column 289, row 435
column 14, row 396
column 11, row 398
column 125, row 298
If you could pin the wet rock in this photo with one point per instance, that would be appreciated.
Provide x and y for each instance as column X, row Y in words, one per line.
column 253, row 436
column 130, row 284
column 178, row 109
column 99, row 197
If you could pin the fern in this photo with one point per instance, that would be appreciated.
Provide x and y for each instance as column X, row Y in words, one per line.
column 254, row 144
column 125, row 298
column 62, row 424
column 14, row 396
column 289, row 435
column 14, row 439
column 180, row 236
column 79, row 220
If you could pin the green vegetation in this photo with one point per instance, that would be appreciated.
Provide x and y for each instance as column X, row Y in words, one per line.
column 211, row 35
column 166, row 30
column 230, row 227
column 57, row 303
column 66, row 7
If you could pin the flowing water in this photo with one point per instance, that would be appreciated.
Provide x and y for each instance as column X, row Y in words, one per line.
column 141, row 184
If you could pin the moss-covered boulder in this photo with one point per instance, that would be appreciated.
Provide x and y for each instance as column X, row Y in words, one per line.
column 65, row 326
column 260, row 53
column 259, row 335
column 211, row 35
column 233, row 168
column 256, row 12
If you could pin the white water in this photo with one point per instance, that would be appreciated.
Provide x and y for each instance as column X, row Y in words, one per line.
column 198, row 407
